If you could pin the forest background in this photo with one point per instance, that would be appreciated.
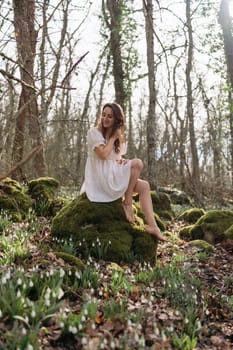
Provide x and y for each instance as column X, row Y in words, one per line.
column 169, row 64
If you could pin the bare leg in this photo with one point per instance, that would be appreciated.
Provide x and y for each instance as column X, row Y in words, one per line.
column 143, row 189
column 136, row 169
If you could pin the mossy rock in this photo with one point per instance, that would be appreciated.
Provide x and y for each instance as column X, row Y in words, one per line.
column 43, row 191
column 229, row 232
column 56, row 205
column 212, row 226
column 202, row 245
column 191, row 215
column 13, row 200
column 177, row 196
column 70, row 259
column 184, row 232
column 101, row 230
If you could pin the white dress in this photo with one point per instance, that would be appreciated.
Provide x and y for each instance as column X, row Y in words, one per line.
column 105, row 180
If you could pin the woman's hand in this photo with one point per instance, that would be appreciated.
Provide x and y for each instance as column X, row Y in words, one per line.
column 122, row 161
column 117, row 134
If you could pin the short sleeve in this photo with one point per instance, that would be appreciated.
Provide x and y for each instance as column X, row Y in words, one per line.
column 95, row 138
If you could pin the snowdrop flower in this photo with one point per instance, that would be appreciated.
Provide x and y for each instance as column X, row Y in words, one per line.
column 19, row 281
column 4, row 280
column 24, row 331
column 112, row 344
column 0, row 313
column 33, row 313
column 30, row 284
column 60, row 293
column 29, row 347
column 84, row 341
column 62, row 273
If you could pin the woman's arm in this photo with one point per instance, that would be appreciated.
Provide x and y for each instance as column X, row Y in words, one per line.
column 103, row 151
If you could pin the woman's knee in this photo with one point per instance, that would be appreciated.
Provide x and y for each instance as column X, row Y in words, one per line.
column 142, row 186
column 137, row 163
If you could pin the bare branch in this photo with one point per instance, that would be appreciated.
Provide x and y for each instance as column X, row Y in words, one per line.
column 73, row 67
column 30, row 155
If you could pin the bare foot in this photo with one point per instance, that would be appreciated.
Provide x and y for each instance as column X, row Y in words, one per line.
column 128, row 209
column 155, row 231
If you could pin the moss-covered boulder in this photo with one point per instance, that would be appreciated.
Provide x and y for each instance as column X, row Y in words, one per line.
column 101, row 230
column 43, row 192
column 211, row 227
column 202, row 245
column 229, row 232
column 13, row 200
column 191, row 215
column 177, row 196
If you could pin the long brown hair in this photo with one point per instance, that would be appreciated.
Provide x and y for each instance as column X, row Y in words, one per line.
column 119, row 121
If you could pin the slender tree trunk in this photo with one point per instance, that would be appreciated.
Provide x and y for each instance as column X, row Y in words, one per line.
column 196, row 183
column 114, row 8
column 26, row 36
column 227, row 28
column 151, row 118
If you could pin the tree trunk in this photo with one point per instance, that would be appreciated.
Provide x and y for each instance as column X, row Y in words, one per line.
column 151, row 118
column 227, row 27
column 114, row 8
column 196, row 183
column 26, row 36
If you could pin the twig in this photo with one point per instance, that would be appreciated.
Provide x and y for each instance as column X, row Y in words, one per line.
column 73, row 67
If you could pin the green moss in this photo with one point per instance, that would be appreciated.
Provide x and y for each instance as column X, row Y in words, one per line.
column 203, row 245
column 14, row 200
column 43, row 188
column 101, row 230
column 191, row 215
column 184, row 232
column 229, row 232
column 12, row 183
column 70, row 259
column 212, row 225
column 177, row 196
column 43, row 191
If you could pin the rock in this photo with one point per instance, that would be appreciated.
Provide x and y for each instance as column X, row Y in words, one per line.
column 13, row 200
column 101, row 230
column 211, row 227
column 191, row 215
column 203, row 245
column 177, row 196
column 43, row 191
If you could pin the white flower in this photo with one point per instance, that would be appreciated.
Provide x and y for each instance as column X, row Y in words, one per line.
column 4, row 280
column 62, row 273
column 84, row 340
column 19, row 281
column 33, row 313
column 60, row 293
column 30, row 284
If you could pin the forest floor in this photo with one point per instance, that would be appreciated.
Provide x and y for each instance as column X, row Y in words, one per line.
column 183, row 302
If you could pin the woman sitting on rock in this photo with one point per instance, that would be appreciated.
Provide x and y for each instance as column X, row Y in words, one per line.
column 108, row 176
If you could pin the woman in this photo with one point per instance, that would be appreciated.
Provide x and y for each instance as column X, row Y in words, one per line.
column 108, row 176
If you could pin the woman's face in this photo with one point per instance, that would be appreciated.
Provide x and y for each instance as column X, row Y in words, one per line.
column 108, row 117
